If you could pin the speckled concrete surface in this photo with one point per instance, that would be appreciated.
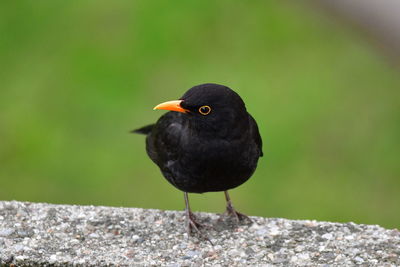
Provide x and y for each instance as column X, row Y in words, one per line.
column 60, row 235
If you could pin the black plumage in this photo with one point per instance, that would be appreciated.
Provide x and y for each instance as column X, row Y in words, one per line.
column 208, row 143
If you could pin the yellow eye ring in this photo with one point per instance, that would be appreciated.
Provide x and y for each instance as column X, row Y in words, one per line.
column 204, row 110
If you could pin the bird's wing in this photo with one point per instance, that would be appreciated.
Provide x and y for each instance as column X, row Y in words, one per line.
column 256, row 134
column 163, row 141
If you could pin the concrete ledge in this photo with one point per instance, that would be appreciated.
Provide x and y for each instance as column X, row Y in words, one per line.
column 59, row 235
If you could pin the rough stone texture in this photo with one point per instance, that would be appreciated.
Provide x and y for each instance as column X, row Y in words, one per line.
column 58, row 235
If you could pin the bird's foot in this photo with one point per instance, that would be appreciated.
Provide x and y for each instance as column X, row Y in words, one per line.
column 232, row 212
column 193, row 225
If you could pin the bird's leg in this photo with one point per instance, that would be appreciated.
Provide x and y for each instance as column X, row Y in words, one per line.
column 230, row 210
column 190, row 218
column 191, row 221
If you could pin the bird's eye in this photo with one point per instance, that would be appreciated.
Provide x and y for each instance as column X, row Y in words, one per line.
column 204, row 110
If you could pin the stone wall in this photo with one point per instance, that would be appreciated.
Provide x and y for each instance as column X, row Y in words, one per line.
column 58, row 235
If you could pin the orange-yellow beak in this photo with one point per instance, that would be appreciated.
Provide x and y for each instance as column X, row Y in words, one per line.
column 174, row 105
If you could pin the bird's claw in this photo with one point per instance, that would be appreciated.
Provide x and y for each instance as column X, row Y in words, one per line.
column 193, row 224
column 232, row 212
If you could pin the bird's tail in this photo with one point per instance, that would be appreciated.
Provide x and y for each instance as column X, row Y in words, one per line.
column 144, row 130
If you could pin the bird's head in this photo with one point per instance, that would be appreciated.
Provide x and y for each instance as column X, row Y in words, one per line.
column 212, row 107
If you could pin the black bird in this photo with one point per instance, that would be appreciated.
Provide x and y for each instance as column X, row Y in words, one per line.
column 207, row 143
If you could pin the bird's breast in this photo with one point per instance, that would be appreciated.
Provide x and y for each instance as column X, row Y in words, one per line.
column 211, row 161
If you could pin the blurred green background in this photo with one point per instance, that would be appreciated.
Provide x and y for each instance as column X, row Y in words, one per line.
column 76, row 76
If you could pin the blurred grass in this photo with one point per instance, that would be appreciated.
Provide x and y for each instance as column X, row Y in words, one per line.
column 77, row 76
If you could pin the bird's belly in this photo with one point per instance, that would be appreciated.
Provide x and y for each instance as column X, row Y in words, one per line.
column 211, row 171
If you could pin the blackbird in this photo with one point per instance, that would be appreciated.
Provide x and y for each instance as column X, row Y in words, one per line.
column 208, row 142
